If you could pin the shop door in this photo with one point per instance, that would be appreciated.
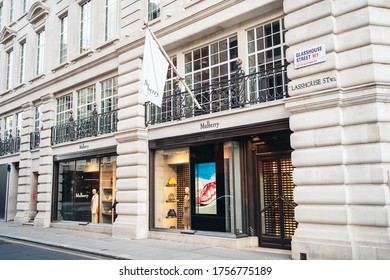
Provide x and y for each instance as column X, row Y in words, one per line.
column 277, row 223
column 3, row 189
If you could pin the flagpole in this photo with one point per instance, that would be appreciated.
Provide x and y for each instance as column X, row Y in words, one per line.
column 174, row 68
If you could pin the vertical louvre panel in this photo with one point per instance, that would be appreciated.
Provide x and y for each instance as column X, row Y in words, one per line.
column 271, row 192
column 287, row 188
column 183, row 181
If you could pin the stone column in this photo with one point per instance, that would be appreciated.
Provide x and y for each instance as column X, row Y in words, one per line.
column 45, row 179
column 341, row 128
column 25, row 201
column 132, row 149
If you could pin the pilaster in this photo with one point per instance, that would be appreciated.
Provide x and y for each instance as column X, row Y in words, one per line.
column 132, row 149
column 339, row 118
column 45, row 179
column 26, row 200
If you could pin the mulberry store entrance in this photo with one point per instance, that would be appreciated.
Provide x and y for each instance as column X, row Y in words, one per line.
column 275, row 211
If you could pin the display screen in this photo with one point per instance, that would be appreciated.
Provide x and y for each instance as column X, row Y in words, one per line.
column 206, row 188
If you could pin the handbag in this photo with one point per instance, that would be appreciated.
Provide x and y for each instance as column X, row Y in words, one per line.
column 171, row 213
column 171, row 197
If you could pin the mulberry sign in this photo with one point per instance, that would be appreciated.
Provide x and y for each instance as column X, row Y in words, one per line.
column 310, row 56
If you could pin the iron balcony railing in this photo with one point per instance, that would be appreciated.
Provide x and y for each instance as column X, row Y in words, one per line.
column 9, row 145
column 97, row 124
column 241, row 91
column 35, row 139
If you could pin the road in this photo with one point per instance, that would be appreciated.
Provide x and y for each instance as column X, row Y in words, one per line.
column 22, row 250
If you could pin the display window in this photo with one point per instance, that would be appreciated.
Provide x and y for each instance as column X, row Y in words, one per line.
column 198, row 188
column 86, row 190
column 172, row 189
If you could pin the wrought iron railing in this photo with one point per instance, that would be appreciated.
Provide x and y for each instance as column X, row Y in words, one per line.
column 241, row 91
column 92, row 126
column 9, row 145
column 35, row 139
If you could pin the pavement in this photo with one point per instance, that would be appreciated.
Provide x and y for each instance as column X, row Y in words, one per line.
column 146, row 249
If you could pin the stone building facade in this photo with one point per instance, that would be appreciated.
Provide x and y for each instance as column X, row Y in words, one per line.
column 288, row 150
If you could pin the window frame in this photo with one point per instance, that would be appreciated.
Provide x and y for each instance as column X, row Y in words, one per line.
column 153, row 12
column 85, row 105
column 64, row 38
column 85, row 27
column 22, row 62
column 113, row 97
column 9, row 69
column 110, row 19
column 62, row 116
column 40, row 58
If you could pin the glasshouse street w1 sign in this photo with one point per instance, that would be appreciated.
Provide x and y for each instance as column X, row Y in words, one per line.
column 309, row 56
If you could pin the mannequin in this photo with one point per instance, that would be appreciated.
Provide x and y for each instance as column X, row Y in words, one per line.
column 95, row 206
column 186, row 209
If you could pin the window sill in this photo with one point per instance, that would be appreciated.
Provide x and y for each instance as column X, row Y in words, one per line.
column 36, row 78
column 62, row 65
column 106, row 44
column 8, row 91
column 191, row 3
column 81, row 56
column 153, row 22
column 22, row 85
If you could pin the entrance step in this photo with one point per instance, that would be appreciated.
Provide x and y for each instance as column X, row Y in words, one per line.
column 89, row 227
column 214, row 241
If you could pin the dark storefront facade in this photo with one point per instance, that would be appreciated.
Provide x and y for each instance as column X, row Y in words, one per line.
column 239, row 181
column 85, row 188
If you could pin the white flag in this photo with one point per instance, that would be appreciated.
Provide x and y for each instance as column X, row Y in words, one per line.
column 154, row 71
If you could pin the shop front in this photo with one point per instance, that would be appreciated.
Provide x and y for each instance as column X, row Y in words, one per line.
column 85, row 189
column 231, row 183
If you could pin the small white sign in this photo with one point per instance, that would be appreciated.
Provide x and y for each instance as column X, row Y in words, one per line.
column 310, row 56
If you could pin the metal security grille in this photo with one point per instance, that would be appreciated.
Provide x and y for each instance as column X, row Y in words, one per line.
column 290, row 224
column 271, row 198
column 183, row 181
column 277, row 199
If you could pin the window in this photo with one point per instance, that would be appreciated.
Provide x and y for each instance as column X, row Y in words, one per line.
column 211, row 65
column 85, row 102
column 11, row 10
column 22, row 62
column 153, row 9
column 110, row 20
column 37, row 117
column 64, row 39
column 266, row 57
column 24, row 5
column 86, row 190
column 85, row 27
column 266, row 47
column 40, row 52
column 8, row 122
column 64, row 107
column 10, row 62
column 109, row 95
column 19, row 119
column 199, row 188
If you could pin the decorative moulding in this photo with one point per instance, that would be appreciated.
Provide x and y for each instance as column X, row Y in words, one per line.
column 7, row 34
column 37, row 12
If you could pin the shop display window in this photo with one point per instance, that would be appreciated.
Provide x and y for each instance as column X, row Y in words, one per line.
column 171, row 180
column 209, row 198
column 86, row 190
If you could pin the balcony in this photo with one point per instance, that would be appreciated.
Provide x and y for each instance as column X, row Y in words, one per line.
column 95, row 125
column 239, row 92
column 10, row 145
